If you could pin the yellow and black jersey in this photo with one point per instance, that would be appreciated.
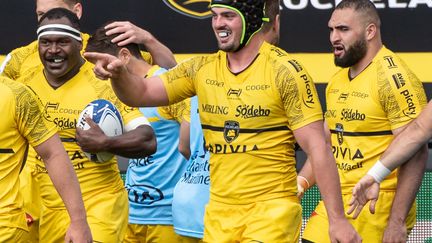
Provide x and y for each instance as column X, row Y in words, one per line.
column 23, row 123
column 175, row 111
column 362, row 112
column 62, row 107
column 248, row 120
column 19, row 61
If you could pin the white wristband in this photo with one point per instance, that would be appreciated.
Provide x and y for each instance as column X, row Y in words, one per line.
column 379, row 172
column 307, row 182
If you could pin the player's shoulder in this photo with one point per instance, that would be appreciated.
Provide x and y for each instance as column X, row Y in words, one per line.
column 203, row 59
column 388, row 60
column 199, row 62
column 26, row 50
column 11, row 88
column 389, row 66
column 281, row 59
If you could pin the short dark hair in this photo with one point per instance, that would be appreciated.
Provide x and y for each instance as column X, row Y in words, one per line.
column 366, row 7
column 100, row 42
column 271, row 10
column 58, row 13
column 72, row 2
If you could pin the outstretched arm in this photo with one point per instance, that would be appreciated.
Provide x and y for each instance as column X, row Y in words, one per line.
column 131, row 89
column 409, row 141
column 312, row 140
column 130, row 33
column 402, row 149
column 66, row 183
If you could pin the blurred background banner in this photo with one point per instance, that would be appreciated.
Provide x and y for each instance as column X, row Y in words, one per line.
column 184, row 26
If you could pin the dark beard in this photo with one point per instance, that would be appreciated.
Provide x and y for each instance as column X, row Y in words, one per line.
column 353, row 55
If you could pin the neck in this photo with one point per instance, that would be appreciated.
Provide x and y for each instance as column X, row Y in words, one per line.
column 56, row 82
column 240, row 60
column 138, row 67
column 357, row 68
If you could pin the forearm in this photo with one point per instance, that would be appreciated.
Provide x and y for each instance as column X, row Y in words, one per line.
column 409, row 181
column 307, row 172
column 408, row 142
column 128, row 88
column 405, row 145
column 327, row 178
column 161, row 54
column 66, row 183
column 138, row 143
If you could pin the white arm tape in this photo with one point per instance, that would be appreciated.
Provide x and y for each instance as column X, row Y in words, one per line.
column 136, row 123
column 379, row 172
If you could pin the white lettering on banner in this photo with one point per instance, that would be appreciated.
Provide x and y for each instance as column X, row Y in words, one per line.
column 292, row 6
column 326, row 4
column 416, row 3
column 318, row 5
column 397, row 4
column 378, row 3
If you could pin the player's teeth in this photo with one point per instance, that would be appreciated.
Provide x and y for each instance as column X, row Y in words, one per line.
column 223, row 34
column 58, row 60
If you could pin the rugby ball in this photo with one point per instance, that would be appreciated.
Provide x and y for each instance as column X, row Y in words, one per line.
column 107, row 116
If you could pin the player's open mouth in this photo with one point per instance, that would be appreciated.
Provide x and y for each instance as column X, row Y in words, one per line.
column 224, row 34
column 56, row 60
column 338, row 50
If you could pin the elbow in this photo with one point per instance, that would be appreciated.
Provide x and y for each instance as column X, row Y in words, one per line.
column 148, row 146
column 145, row 144
column 152, row 146
column 185, row 151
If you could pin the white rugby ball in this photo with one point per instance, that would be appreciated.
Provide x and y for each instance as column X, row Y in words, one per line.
column 107, row 116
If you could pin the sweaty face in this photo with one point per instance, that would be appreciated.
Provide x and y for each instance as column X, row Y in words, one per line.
column 43, row 6
column 60, row 54
column 227, row 26
column 348, row 37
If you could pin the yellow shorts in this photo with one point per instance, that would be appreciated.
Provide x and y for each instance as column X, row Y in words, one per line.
column 276, row 220
column 370, row 226
column 137, row 233
column 8, row 234
column 32, row 201
column 186, row 239
column 107, row 216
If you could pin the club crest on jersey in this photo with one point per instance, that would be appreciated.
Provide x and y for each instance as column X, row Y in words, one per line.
column 339, row 133
column 231, row 131
column 199, row 9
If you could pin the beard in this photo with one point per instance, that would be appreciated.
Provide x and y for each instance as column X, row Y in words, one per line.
column 353, row 55
column 228, row 47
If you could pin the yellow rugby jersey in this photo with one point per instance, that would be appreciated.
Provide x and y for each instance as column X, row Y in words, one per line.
column 23, row 59
column 23, row 123
column 62, row 107
column 175, row 111
column 248, row 119
column 362, row 112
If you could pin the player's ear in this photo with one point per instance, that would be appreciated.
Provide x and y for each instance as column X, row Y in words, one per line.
column 77, row 9
column 276, row 24
column 371, row 31
column 124, row 55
